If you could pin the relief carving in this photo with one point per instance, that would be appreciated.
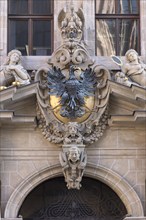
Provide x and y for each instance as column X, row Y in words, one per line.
column 71, row 23
column 73, row 132
column 72, row 98
column 73, row 50
column 73, row 162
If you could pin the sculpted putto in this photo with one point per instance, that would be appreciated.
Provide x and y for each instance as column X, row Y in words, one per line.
column 134, row 68
column 73, row 134
column 12, row 71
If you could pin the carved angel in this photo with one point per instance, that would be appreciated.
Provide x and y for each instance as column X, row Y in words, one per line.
column 72, row 91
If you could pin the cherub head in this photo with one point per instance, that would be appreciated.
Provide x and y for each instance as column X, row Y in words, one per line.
column 74, row 154
column 73, row 128
column 14, row 56
column 131, row 55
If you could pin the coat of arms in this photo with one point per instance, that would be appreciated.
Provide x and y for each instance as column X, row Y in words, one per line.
column 72, row 91
column 72, row 97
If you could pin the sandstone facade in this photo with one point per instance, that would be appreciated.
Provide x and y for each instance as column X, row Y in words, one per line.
column 118, row 159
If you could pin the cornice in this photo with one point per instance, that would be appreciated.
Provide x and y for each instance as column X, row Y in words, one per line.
column 17, row 93
column 132, row 93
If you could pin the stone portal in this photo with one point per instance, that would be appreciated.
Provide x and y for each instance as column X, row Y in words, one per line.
column 51, row 200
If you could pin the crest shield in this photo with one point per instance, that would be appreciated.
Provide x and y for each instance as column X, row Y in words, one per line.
column 72, row 98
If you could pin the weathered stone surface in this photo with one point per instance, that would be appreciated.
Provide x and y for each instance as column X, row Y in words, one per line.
column 121, row 151
column 133, row 70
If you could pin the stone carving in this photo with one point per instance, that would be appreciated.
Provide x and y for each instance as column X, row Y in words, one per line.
column 72, row 98
column 73, row 162
column 73, row 50
column 12, row 72
column 121, row 78
column 71, row 24
column 73, row 132
column 133, row 70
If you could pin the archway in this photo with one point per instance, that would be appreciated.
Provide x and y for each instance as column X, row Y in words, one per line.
column 52, row 200
column 125, row 192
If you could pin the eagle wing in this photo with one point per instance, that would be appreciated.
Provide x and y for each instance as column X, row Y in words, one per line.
column 88, row 82
column 56, row 82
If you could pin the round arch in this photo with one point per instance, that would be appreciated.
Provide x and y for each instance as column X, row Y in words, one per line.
column 120, row 186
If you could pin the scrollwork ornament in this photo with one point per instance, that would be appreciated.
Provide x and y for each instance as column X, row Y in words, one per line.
column 60, row 58
column 73, row 50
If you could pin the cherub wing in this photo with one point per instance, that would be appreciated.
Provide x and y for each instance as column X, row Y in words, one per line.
column 88, row 81
column 56, row 82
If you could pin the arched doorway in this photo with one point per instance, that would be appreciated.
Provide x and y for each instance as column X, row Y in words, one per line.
column 51, row 200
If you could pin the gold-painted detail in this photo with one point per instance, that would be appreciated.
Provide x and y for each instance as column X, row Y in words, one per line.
column 16, row 83
column 89, row 104
column 2, row 88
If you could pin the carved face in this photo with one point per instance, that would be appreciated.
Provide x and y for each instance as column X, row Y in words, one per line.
column 14, row 58
column 132, row 56
column 72, row 128
column 74, row 154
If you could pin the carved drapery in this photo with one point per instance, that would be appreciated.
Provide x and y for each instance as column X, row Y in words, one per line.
column 133, row 70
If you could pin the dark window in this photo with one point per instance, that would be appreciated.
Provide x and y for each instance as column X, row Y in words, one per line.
column 31, row 26
column 117, row 26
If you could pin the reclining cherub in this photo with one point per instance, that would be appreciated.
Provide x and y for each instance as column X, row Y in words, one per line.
column 134, row 68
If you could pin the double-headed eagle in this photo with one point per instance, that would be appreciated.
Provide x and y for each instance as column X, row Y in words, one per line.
column 72, row 91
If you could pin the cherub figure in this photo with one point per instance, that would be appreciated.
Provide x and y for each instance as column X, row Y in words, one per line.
column 73, row 134
column 12, row 71
column 134, row 68
column 73, row 163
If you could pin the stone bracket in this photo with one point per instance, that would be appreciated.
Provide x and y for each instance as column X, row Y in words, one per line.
column 73, row 160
